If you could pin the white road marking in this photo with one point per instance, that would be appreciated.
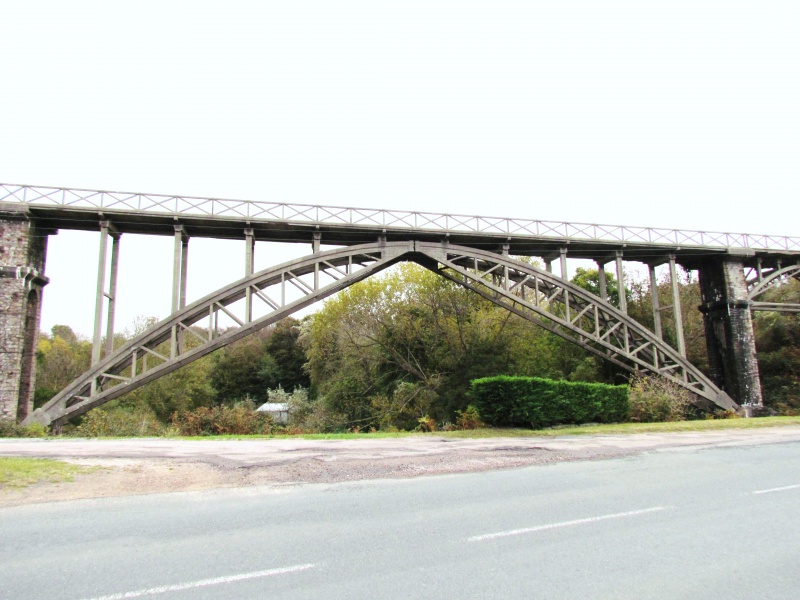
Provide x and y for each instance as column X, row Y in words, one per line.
column 204, row 583
column 500, row 534
column 778, row 489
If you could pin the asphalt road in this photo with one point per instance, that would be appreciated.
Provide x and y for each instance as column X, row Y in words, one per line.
column 676, row 523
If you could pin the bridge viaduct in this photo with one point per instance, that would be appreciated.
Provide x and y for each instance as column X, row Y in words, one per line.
column 475, row 252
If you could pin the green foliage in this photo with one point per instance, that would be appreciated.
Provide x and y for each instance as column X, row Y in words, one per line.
column 22, row 472
column 390, row 350
column 118, row 422
column 426, row 424
column 61, row 356
column 239, row 419
column 640, row 308
column 657, row 400
column 264, row 360
column 778, row 343
column 286, row 357
column 182, row 390
column 469, row 418
column 11, row 429
column 236, row 371
column 589, row 279
column 538, row 402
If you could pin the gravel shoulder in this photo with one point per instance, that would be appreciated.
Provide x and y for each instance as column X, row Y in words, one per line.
column 147, row 466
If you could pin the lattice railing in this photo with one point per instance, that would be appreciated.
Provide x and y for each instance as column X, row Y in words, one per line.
column 386, row 219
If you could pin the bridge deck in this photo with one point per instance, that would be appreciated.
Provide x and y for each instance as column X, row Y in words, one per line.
column 62, row 208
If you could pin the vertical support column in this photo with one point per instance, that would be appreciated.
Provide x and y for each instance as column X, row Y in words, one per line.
column 623, row 300
column 562, row 259
column 601, row 280
column 249, row 255
column 729, row 330
column 23, row 248
column 315, row 245
column 184, row 270
column 112, row 292
column 180, row 261
column 504, row 251
column 676, row 306
column 656, row 305
column 180, row 265
column 97, row 340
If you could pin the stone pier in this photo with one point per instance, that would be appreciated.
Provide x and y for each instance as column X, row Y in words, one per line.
column 23, row 247
column 729, row 330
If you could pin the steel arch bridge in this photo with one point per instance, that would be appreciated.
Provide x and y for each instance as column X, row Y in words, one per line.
column 259, row 300
column 735, row 270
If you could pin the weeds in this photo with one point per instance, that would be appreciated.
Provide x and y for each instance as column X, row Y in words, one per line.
column 656, row 399
column 10, row 429
column 240, row 419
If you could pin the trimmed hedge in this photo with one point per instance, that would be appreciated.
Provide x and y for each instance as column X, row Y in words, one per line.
column 536, row 402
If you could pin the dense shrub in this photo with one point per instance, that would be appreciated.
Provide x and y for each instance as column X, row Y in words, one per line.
column 10, row 428
column 657, row 399
column 537, row 402
column 118, row 423
column 469, row 418
column 240, row 419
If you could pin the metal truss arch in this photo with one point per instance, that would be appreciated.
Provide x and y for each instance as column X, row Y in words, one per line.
column 570, row 312
column 230, row 313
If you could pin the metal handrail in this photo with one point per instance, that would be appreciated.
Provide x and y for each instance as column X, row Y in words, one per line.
column 256, row 210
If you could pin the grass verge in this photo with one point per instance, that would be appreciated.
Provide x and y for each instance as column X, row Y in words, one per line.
column 490, row 432
column 588, row 429
column 22, row 472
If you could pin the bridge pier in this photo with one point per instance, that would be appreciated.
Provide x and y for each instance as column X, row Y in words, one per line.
column 730, row 338
column 23, row 247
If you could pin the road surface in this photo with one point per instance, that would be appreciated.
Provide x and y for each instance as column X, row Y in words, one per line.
column 684, row 522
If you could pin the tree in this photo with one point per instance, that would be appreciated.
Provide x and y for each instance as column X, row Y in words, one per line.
column 261, row 361
column 589, row 279
column 285, row 359
column 390, row 350
column 778, row 343
column 61, row 356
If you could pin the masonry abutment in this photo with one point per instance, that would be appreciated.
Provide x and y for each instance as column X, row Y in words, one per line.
column 730, row 338
column 23, row 247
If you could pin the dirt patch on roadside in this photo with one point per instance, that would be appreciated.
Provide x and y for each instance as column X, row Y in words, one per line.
column 126, row 476
column 149, row 466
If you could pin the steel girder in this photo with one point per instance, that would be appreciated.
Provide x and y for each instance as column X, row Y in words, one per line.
column 572, row 313
column 757, row 287
column 534, row 294
column 184, row 337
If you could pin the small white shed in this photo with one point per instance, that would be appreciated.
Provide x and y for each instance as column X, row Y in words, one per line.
column 279, row 411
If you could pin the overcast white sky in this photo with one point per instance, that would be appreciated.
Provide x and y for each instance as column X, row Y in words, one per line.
column 679, row 114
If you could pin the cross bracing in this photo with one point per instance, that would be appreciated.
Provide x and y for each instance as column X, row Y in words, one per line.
column 215, row 321
column 261, row 299
column 570, row 312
